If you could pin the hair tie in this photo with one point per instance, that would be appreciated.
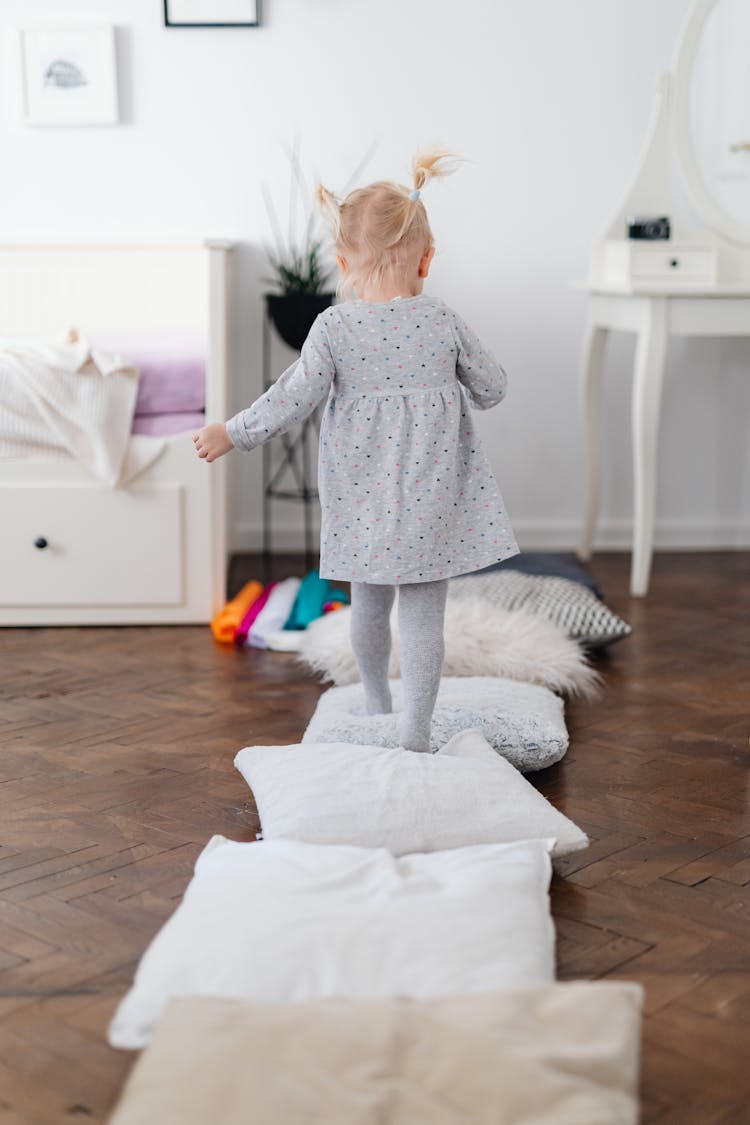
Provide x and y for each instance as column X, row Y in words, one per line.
column 414, row 195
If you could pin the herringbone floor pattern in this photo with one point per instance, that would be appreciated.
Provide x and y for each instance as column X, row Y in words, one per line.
column 116, row 750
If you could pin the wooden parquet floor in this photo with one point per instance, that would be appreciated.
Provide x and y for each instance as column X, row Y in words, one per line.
column 116, row 750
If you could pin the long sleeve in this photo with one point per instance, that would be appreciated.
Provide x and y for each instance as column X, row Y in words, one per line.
column 293, row 396
column 477, row 369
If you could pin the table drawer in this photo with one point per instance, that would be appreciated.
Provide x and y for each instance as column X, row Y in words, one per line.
column 632, row 264
column 86, row 544
column 696, row 265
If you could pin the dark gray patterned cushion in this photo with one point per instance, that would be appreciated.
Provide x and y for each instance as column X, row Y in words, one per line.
column 570, row 606
column 555, row 565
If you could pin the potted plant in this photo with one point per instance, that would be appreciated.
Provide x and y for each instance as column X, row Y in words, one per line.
column 303, row 281
column 301, row 274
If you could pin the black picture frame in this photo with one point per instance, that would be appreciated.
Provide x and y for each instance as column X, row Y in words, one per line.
column 169, row 22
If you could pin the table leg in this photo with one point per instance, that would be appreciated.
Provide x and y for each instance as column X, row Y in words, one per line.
column 647, row 382
column 592, row 365
column 266, row 453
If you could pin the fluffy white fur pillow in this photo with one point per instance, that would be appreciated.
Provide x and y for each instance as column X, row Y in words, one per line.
column 282, row 922
column 480, row 640
column 380, row 798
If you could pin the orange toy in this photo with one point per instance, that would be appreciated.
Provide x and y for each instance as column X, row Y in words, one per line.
column 228, row 618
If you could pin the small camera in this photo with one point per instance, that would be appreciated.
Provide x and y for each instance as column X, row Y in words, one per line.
column 651, row 228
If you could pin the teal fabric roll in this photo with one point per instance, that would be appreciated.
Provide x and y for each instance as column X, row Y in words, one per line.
column 308, row 605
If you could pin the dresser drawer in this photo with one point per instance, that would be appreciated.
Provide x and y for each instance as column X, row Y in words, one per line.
column 673, row 264
column 73, row 544
column 630, row 264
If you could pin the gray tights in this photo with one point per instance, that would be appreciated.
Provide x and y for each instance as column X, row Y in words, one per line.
column 421, row 610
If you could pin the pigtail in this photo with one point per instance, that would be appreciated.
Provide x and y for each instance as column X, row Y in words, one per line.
column 330, row 208
column 427, row 165
column 432, row 164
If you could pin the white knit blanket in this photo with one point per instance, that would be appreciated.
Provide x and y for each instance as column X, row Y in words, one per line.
column 60, row 398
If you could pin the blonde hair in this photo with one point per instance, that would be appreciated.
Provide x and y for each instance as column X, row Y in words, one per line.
column 381, row 229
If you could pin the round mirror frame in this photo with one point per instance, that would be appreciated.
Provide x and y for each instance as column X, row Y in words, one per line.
column 695, row 184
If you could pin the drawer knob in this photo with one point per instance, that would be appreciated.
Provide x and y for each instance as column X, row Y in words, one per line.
column 41, row 543
column 674, row 262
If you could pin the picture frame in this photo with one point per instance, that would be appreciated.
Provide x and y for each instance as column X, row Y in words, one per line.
column 212, row 13
column 69, row 74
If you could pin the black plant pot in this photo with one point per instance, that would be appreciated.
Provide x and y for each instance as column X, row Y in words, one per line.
column 293, row 316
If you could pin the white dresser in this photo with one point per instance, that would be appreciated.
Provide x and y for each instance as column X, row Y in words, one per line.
column 696, row 282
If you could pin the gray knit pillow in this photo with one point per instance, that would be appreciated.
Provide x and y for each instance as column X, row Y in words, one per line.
column 524, row 723
column 569, row 605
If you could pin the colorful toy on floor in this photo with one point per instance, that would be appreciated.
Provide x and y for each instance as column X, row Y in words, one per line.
column 311, row 599
column 245, row 625
column 274, row 613
column 224, row 624
column 275, row 617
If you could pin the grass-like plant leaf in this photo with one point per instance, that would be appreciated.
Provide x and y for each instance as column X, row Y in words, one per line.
column 299, row 269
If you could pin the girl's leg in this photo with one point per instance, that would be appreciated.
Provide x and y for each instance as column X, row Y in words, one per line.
column 371, row 641
column 421, row 611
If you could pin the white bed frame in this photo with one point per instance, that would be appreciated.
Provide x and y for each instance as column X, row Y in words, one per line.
column 155, row 551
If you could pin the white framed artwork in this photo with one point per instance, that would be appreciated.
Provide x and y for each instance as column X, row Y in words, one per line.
column 211, row 13
column 69, row 75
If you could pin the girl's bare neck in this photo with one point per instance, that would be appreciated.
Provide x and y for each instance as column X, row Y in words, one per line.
column 393, row 290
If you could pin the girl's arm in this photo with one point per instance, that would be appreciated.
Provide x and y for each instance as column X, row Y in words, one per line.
column 286, row 403
column 477, row 369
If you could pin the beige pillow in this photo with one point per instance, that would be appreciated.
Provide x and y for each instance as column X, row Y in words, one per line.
column 558, row 1054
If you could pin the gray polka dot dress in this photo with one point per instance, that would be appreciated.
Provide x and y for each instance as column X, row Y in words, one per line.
column 406, row 492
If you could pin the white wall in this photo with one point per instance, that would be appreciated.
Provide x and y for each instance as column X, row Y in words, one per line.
column 549, row 99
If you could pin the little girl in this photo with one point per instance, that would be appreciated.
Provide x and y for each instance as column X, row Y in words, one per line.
column 407, row 496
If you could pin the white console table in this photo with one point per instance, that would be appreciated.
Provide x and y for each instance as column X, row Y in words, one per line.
column 654, row 315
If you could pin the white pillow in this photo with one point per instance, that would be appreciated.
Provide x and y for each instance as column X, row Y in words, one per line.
column 378, row 797
column 555, row 1054
column 523, row 722
column 281, row 921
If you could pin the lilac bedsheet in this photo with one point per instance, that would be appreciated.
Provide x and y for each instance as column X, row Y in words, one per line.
column 173, row 372
column 166, row 425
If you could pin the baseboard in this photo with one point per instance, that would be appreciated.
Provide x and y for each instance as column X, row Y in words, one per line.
column 286, row 537
column 549, row 535
column 617, row 535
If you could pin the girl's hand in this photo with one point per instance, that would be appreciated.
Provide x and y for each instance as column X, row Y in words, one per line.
column 213, row 441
